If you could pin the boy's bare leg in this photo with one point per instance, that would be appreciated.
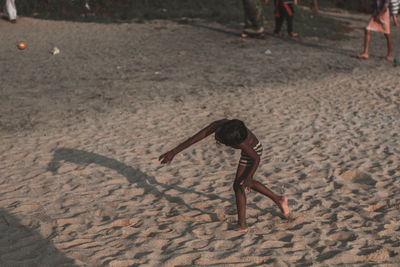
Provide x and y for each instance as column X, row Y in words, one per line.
column 366, row 45
column 389, row 46
column 240, row 196
column 280, row 201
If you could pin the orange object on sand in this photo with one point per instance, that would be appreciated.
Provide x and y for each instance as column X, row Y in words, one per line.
column 21, row 45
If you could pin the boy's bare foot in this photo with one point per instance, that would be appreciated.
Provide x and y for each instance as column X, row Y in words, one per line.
column 243, row 229
column 362, row 56
column 283, row 205
column 293, row 34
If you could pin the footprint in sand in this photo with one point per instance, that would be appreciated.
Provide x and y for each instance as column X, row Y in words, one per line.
column 363, row 179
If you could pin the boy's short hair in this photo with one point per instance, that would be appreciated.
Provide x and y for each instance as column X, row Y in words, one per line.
column 231, row 133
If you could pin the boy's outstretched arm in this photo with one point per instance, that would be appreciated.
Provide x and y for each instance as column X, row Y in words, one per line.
column 168, row 156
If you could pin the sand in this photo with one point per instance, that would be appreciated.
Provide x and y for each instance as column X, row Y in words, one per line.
column 81, row 133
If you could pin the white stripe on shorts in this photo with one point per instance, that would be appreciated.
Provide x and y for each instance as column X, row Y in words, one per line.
column 246, row 160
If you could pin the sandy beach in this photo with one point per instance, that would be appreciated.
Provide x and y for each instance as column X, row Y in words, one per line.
column 81, row 133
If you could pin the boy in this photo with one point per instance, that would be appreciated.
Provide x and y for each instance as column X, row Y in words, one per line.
column 235, row 134
column 284, row 9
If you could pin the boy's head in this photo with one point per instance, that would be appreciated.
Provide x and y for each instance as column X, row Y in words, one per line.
column 231, row 133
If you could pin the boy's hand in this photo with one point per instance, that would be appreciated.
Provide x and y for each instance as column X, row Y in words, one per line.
column 166, row 158
column 246, row 183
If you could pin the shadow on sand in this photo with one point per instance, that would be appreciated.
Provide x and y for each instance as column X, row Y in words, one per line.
column 235, row 31
column 21, row 246
column 133, row 175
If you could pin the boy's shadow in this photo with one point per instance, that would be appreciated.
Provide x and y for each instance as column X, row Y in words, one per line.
column 133, row 175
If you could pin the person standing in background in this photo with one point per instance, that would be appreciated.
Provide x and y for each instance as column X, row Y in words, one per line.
column 253, row 18
column 314, row 6
column 284, row 10
column 379, row 22
column 10, row 11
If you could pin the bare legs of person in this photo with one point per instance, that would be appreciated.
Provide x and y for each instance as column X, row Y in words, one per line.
column 367, row 38
column 314, row 6
column 389, row 55
column 240, row 196
column 395, row 21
